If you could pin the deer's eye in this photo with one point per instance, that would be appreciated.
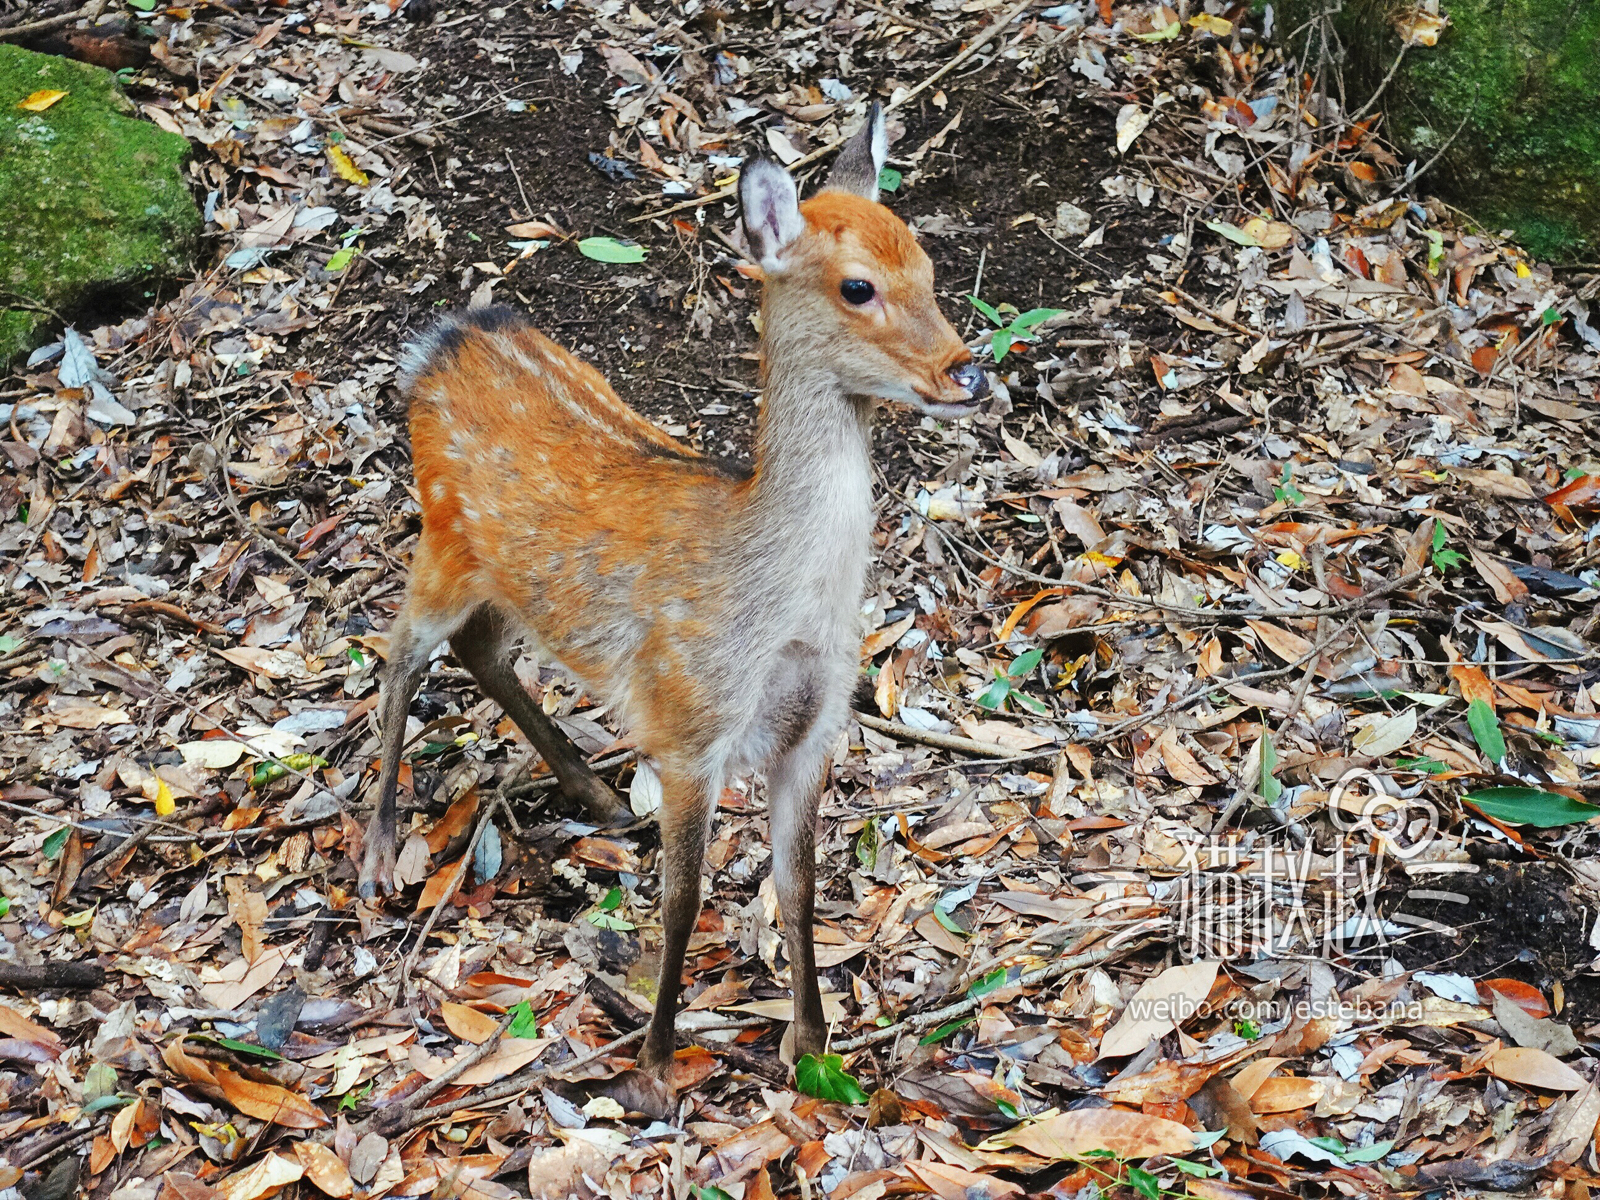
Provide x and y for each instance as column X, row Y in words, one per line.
column 856, row 291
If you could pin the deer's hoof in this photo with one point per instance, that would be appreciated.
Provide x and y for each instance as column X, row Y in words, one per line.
column 377, row 871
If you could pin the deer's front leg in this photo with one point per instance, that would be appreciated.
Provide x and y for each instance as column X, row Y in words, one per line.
column 686, row 804
column 794, row 786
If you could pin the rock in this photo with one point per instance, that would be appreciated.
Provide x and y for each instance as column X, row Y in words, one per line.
column 1519, row 79
column 94, row 199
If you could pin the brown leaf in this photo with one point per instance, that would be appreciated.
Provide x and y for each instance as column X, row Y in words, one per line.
column 325, row 1169
column 1254, row 1075
column 1535, row 1069
column 557, row 1174
column 1159, row 1006
column 248, row 910
column 1125, row 1134
column 953, row 1183
column 1286, row 1093
column 467, row 1023
column 1529, row 998
column 1572, row 1124
column 261, row 1180
column 456, row 820
column 193, row 1070
column 14, row 1024
column 606, row 853
column 1180, row 763
column 1290, row 647
column 269, row 1102
column 1508, row 589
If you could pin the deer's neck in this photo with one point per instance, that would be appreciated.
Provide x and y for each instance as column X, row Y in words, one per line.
column 811, row 497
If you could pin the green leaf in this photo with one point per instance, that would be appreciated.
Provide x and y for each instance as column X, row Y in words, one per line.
column 1530, row 806
column 710, row 1192
column 1438, row 534
column 1431, row 766
column 1000, row 343
column 1035, row 316
column 9, row 643
column 238, row 1047
column 524, row 1021
column 987, row 310
column 1025, row 663
column 1370, row 1153
column 5, row 906
column 1164, row 35
column 341, row 259
column 1550, row 316
column 943, row 1031
column 611, row 901
column 944, row 918
column 1328, row 1143
column 1146, row 1184
column 826, row 1079
column 1232, row 232
column 1247, row 1029
column 1448, row 560
column 995, row 694
column 610, row 250
column 989, row 983
column 53, row 843
column 1485, row 728
column 1270, row 788
column 143, row 5
column 889, row 179
column 867, row 845
column 1198, row 1170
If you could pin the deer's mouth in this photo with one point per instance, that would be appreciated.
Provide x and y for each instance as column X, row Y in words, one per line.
column 945, row 410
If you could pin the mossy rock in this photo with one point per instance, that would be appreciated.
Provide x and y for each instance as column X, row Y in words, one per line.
column 1524, row 77
column 94, row 199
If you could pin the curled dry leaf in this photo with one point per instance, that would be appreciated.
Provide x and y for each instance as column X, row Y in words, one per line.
column 269, row 1102
column 1534, row 1068
column 1159, row 1005
column 467, row 1023
column 1126, row 1134
column 325, row 1169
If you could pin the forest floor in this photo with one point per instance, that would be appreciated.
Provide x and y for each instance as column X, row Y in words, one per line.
column 1217, row 818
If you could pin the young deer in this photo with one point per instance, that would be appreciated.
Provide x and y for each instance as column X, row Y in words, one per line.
column 717, row 613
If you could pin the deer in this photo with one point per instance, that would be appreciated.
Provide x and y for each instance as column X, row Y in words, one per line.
column 715, row 611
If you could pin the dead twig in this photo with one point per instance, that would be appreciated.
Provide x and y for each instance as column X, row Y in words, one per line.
column 390, row 1121
column 927, row 1020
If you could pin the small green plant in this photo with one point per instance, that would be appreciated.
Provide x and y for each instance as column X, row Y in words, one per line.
column 1247, row 1029
column 1485, row 728
column 826, row 1079
column 1285, row 492
column 524, row 1021
column 1006, row 685
column 605, row 913
column 1444, row 560
column 1010, row 325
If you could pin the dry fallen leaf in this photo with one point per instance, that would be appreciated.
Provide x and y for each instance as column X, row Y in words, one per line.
column 467, row 1023
column 1159, row 1006
column 269, row 1102
column 1125, row 1134
column 1535, row 1069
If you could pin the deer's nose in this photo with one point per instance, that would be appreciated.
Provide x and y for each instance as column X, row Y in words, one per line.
column 970, row 378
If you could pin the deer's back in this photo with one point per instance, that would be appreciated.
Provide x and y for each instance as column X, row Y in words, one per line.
column 546, row 495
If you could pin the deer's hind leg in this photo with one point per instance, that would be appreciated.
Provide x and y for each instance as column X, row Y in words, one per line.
column 483, row 646
column 415, row 635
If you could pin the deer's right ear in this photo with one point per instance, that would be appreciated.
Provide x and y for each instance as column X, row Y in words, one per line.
column 770, row 205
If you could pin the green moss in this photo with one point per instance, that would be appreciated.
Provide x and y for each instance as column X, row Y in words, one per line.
column 1521, row 80
column 94, row 198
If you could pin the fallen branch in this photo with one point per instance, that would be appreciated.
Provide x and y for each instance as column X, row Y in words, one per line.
column 68, row 976
column 949, row 741
column 49, row 24
column 515, row 1085
column 390, row 1121
column 925, row 1021
column 972, row 47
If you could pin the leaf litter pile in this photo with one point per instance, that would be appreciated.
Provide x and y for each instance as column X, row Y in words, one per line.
column 1217, row 815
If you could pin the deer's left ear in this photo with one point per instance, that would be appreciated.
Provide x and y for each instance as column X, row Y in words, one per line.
column 770, row 206
column 861, row 159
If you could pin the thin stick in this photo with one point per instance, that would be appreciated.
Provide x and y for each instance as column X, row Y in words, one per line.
column 941, row 741
column 49, row 23
column 455, row 883
column 939, row 1016
column 389, row 1121
column 516, row 1084
column 982, row 40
